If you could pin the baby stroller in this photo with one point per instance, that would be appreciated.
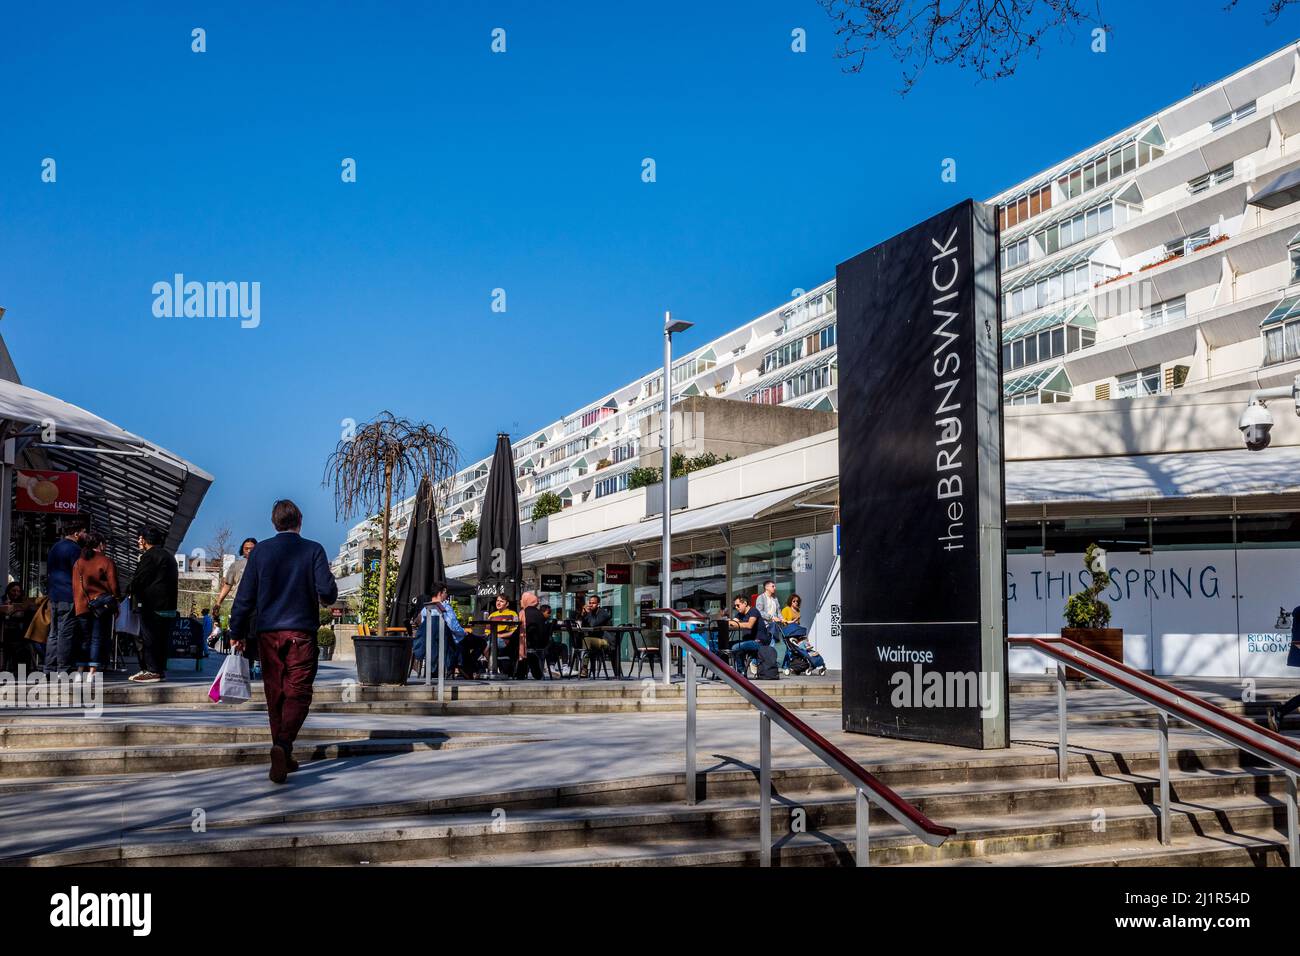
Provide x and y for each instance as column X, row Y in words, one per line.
column 797, row 659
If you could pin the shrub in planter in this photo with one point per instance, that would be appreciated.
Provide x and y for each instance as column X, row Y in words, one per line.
column 1087, row 616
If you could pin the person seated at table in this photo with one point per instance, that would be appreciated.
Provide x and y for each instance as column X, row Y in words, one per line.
column 790, row 615
column 594, row 616
column 536, row 637
column 557, row 652
column 506, row 634
column 747, row 619
column 454, row 635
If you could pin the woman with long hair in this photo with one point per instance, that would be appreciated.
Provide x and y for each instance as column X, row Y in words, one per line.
column 94, row 596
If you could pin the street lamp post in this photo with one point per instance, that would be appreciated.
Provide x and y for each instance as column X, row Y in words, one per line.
column 666, row 560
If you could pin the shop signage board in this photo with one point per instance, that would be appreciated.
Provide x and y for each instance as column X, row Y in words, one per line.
column 51, row 492
column 920, row 449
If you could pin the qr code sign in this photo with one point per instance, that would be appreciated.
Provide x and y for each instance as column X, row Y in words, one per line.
column 835, row 620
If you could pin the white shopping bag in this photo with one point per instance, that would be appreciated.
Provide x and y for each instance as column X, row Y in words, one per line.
column 231, row 685
column 128, row 621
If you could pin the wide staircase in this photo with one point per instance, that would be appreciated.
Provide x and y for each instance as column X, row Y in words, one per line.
column 1227, row 810
column 1223, row 804
column 504, row 697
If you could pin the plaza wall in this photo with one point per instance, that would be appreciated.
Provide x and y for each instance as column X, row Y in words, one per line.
column 1189, row 613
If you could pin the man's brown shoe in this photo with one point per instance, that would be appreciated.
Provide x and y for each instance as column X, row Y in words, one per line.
column 293, row 765
column 279, row 764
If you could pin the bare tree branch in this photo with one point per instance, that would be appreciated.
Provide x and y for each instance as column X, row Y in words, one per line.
column 986, row 36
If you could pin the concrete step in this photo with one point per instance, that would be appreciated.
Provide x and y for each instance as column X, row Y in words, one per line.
column 181, row 693
column 1001, row 807
column 49, row 762
column 838, row 848
column 826, row 840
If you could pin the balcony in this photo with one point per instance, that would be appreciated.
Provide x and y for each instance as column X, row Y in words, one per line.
column 1248, row 251
column 1218, row 149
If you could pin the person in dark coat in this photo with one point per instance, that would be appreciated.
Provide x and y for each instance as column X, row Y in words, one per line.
column 285, row 584
column 153, row 594
column 1277, row 714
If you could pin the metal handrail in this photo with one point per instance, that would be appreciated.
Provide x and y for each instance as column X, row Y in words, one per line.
column 1270, row 747
column 867, row 787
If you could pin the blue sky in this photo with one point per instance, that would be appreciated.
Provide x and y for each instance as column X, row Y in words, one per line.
column 477, row 171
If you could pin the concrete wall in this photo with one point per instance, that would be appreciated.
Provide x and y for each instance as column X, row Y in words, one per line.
column 1179, row 422
column 729, row 427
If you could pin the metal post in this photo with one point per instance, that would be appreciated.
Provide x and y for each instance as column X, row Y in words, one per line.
column 1063, row 745
column 6, row 505
column 690, row 735
column 442, row 655
column 428, row 649
column 492, row 649
column 1162, row 721
column 1292, row 831
column 666, row 557
column 765, row 789
column 864, row 828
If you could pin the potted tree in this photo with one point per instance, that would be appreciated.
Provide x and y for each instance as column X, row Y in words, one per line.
column 325, row 640
column 382, row 458
column 1087, row 616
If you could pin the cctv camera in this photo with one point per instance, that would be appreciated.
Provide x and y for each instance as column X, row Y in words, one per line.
column 1256, row 422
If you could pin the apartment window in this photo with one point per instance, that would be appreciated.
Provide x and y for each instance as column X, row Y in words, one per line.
column 1211, row 179
column 610, row 486
column 772, row 395
column 1066, row 284
column 784, row 355
column 1282, row 332
column 1015, row 254
column 1118, row 162
column 1031, row 204
column 691, row 368
column 1227, row 119
column 1047, row 338
column 808, row 309
column 1162, row 313
column 1188, row 244
column 1295, row 262
column 1136, row 384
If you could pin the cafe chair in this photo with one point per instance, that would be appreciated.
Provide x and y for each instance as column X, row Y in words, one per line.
column 598, row 659
column 646, row 650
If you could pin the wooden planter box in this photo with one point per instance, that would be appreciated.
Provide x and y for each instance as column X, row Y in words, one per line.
column 1108, row 641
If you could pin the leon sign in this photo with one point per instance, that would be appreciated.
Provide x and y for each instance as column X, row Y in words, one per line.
column 49, row 491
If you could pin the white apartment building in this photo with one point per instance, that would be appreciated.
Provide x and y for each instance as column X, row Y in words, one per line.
column 1166, row 257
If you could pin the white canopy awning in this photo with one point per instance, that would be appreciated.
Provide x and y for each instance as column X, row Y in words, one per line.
column 688, row 521
column 124, row 481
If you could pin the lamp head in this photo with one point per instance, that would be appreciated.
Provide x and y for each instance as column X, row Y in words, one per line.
column 671, row 326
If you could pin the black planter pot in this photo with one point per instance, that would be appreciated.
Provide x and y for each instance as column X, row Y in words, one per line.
column 382, row 660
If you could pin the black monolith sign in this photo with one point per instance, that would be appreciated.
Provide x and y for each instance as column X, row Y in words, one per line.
column 921, row 488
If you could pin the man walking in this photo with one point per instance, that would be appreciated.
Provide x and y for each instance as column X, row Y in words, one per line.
column 153, row 594
column 286, row 580
column 61, row 647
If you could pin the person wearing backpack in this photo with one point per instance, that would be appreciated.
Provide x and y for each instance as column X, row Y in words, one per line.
column 95, row 596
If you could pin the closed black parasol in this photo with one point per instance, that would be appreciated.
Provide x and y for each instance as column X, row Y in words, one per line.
column 500, row 556
column 422, row 562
